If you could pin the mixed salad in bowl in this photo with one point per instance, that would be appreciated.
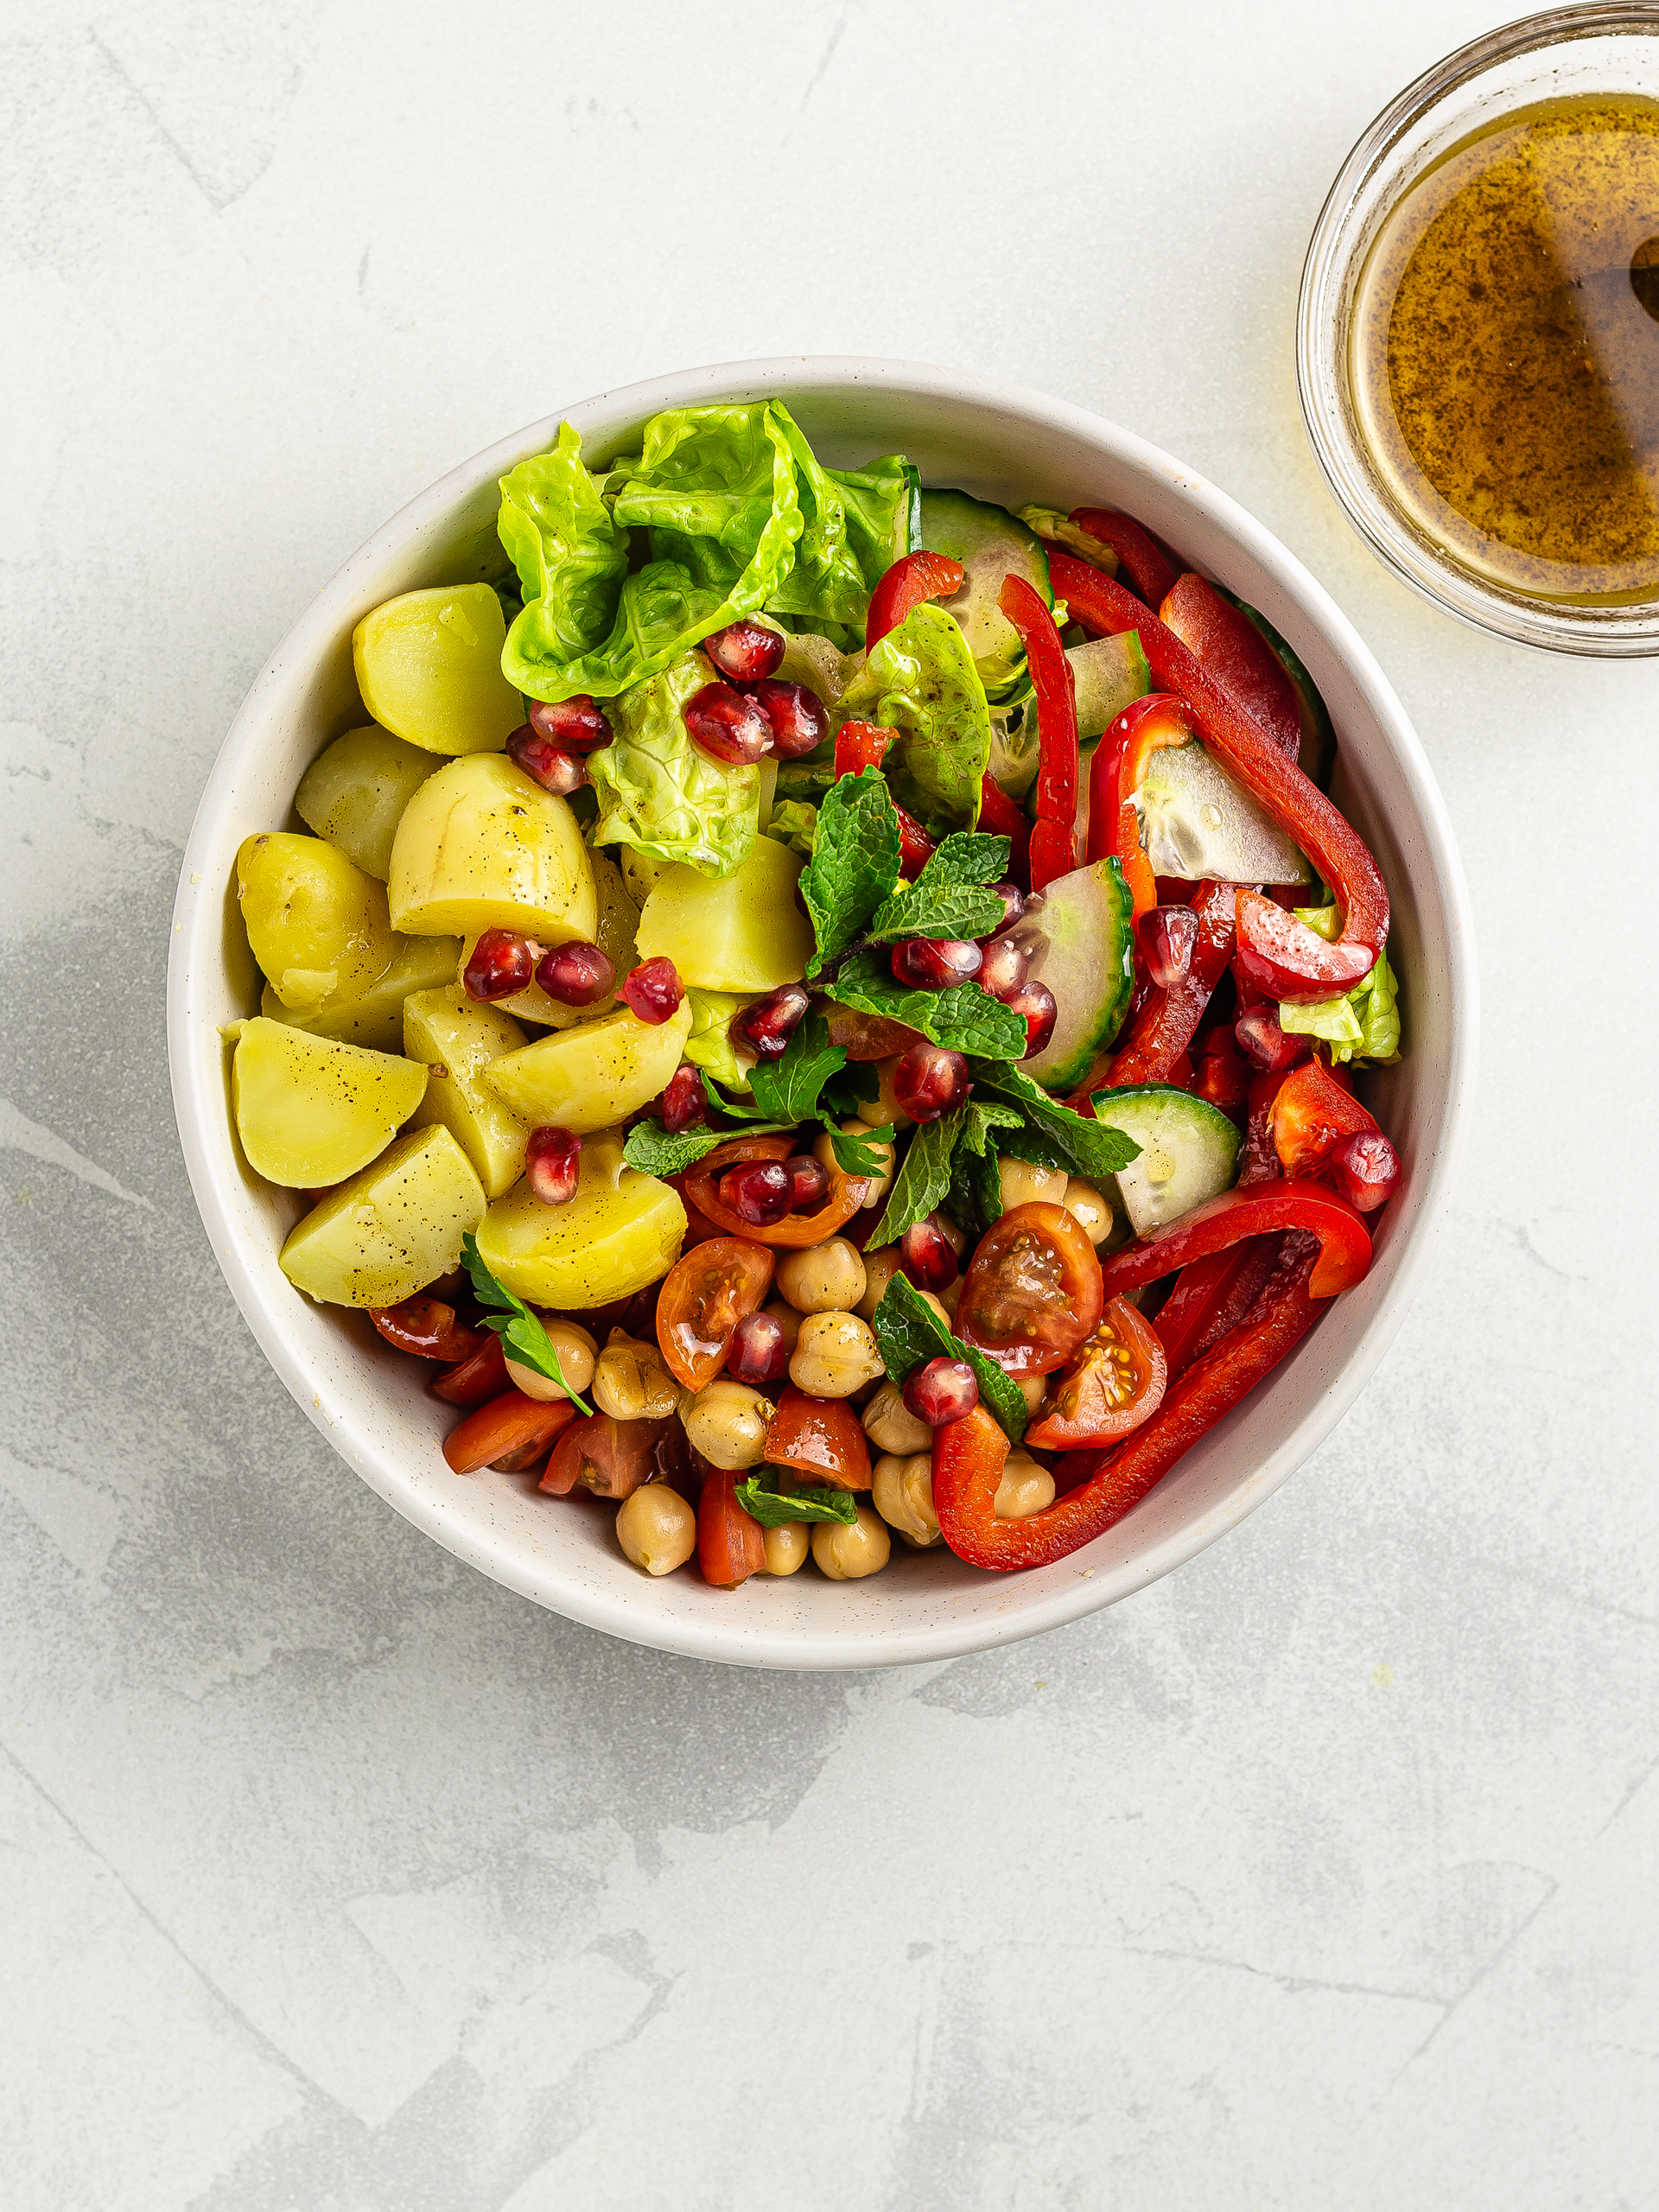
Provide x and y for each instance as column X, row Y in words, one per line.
column 823, row 1009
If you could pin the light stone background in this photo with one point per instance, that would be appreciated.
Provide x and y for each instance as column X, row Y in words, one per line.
column 1320, row 1875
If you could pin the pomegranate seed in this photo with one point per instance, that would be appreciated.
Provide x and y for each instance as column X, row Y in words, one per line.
column 926, row 1256
column 1167, row 937
column 767, row 1027
column 1365, row 1169
column 744, row 650
column 1014, row 904
column 727, row 725
column 654, row 990
column 1002, row 971
column 799, row 723
column 573, row 725
column 944, row 1390
column 928, row 1081
column 1265, row 1044
column 760, row 1191
column 1035, row 1002
column 552, row 1162
column 933, row 964
column 759, row 1352
column 501, row 964
column 684, row 1102
column 809, row 1181
column 544, row 762
column 576, row 974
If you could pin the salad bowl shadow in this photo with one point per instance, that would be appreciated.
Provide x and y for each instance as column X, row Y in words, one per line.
column 1002, row 443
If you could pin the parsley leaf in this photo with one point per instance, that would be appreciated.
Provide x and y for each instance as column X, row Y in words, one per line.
column 855, row 861
column 788, row 1088
column 1077, row 1142
column 964, row 1017
column 773, row 1507
column 519, row 1330
column 738, row 1109
column 947, row 897
column 856, row 1155
column 909, row 1333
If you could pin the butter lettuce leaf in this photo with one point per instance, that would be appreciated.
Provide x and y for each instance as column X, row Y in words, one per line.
column 1362, row 1024
column 921, row 683
column 570, row 556
column 854, row 527
column 664, row 796
column 709, row 1046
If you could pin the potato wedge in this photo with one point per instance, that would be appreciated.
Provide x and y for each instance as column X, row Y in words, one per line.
column 456, row 1038
column 586, row 1078
column 737, row 932
column 354, row 793
column 428, row 666
column 391, row 1230
column 481, row 846
column 318, row 925
column 618, row 1233
column 310, row 1111
column 618, row 917
column 373, row 1013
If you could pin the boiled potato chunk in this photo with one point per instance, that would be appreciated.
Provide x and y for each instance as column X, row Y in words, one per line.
column 371, row 1014
column 429, row 665
column 354, row 793
column 618, row 1233
column 455, row 1037
column 737, row 932
column 481, row 847
column 586, row 1078
column 310, row 1111
column 317, row 924
column 618, row 917
column 391, row 1230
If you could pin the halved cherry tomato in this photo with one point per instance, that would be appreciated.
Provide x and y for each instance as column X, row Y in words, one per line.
column 731, row 1544
column 1114, row 1383
column 821, row 1438
column 508, row 1424
column 1312, row 1113
column 427, row 1327
column 706, row 1294
column 1032, row 1293
column 915, row 846
column 796, row 1231
column 484, row 1376
column 610, row 1458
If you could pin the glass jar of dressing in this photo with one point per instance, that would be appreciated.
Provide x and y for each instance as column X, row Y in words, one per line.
column 1478, row 332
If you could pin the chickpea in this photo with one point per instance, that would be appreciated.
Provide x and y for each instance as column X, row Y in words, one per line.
column 891, row 1426
column 656, row 1528
column 875, row 1187
column 1091, row 1209
column 787, row 1319
column 631, row 1381
column 951, row 1296
column 787, row 1548
column 728, row 1423
column 1025, row 1489
column 1024, row 1184
column 847, row 1551
column 829, row 1278
column 835, row 1354
column 575, row 1348
column 879, row 1269
column 1034, row 1388
column 902, row 1490
column 887, row 1112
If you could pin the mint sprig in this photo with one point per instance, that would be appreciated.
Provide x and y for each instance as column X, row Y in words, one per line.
column 788, row 1088
column 855, row 861
column 962, row 1017
column 908, row 1333
column 774, row 1509
column 949, row 899
column 520, row 1331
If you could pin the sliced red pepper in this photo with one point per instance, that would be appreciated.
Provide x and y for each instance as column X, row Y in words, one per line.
column 1168, row 1020
column 427, row 1327
column 968, row 1454
column 1281, row 955
column 484, row 1376
column 508, row 1424
column 1223, row 1074
column 860, row 745
column 820, row 1437
column 1116, row 774
column 1140, row 552
column 1211, row 1296
column 1312, row 1113
column 1228, row 645
column 907, row 584
column 1260, row 1161
column 1345, row 1250
column 999, row 817
column 731, row 1544
column 1054, row 840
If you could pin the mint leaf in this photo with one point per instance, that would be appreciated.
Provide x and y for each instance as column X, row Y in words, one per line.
column 908, row 1333
column 788, row 1088
column 1077, row 1142
column 980, row 1118
column 520, row 1331
column 855, row 1153
column 855, row 861
column 923, row 1178
column 964, row 1017
column 848, row 1094
column 651, row 1148
column 947, row 897
column 975, row 1196
column 773, row 1507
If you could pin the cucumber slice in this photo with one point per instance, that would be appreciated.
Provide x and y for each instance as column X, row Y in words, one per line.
column 1189, row 1151
column 1110, row 673
column 1195, row 822
column 990, row 544
column 1080, row 940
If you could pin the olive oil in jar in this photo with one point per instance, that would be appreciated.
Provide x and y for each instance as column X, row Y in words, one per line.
column 1505, row 351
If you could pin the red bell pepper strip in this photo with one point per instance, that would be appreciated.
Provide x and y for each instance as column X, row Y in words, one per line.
column 1345, row 1241
column 1054, row 841
column 1312, row 1113
column 1228, row 646
column 1280, row 955
column 1116, row 775
column 1139, row 551
column 1168, row 1020
column 1223, row 1075
column 999, row 817
column 1261, row 1161
column 915, row 846
column 860, row 745
column 1211, row 1296
column 907, row 584
column 968, row 1454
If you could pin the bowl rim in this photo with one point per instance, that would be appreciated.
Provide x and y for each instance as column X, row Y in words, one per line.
column 1334, row 260
column 198, row 1104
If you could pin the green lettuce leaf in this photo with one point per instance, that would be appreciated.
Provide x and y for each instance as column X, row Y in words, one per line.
column 661, row 794
column 921, row 683
column 828, row 582
column 709, row 1044
column 795, row 823
column 908, row 1333
column 1362, row 1024
column 855, row 861
column 962, row 1017
column 570, row 556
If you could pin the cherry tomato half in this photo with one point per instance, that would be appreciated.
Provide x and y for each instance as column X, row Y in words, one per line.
column 508, row 1425
column 1114, row 1383
column 1312, row 1114
column 610, row 1458
column 820, row 1437
column 427, row 1327
column 1034, row 1292
column 705, row 1294
column 796, row 1231
column 731, row 1545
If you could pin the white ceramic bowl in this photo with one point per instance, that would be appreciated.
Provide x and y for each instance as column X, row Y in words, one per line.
column 1006, row 444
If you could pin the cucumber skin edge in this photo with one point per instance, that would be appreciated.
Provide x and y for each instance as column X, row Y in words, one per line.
column 1060, row 1080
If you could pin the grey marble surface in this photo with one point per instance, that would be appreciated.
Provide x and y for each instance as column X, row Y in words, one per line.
column 1321, row 1874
